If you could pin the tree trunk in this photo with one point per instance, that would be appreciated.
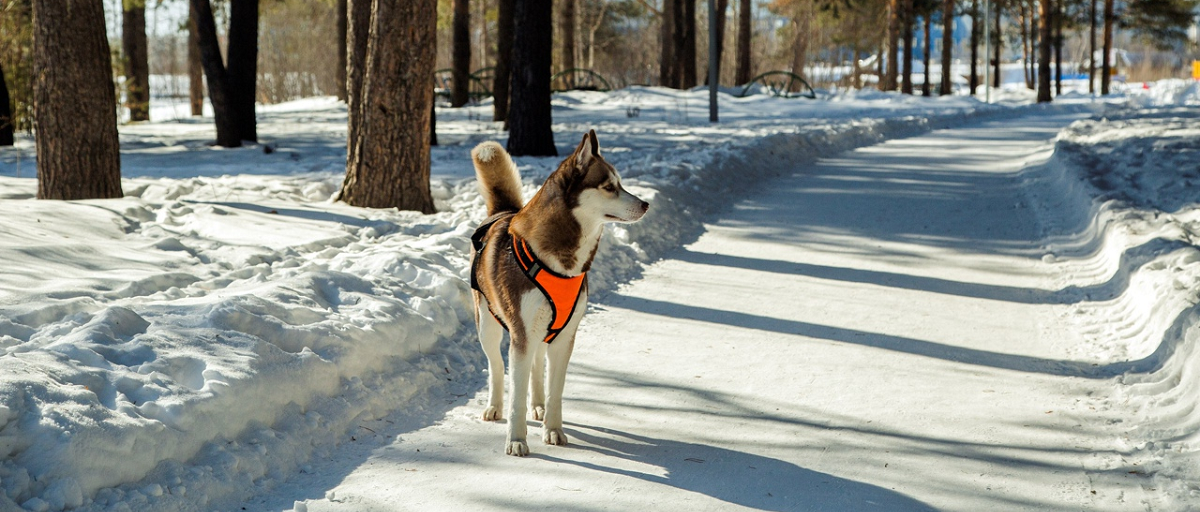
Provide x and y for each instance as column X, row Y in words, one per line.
column 241, row 55
column 566, row 29
column 6, row 121
column 1106, row 65
column 722, row 6
column 947, row 45
column 216, row 75
column 975, row 24
column 801, row 22
column 1058, row 44
column 342, row 21
column 909, row 19
column 668, row 65
column 137, row 63
column 743, row 72
column 530, row 119
column 391, row 164
column 195, row 68
column 1044, row 42
column 997, row 46
column 74, row 102
column 895, row 13
column 926, row 87
column 1092, row 48
column 358, row 28
column 460, row 70
column 687, row 57
column 1024, row 18
column 502, row 78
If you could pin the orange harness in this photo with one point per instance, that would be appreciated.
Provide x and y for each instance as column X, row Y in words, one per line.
column 559, row 290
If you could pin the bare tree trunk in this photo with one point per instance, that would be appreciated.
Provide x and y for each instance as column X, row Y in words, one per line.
column 530, row 119
column 460, row 71
column 1025, row 59
column 947, row 45
column 241, row 56
column 342, row 21
column 857, row 70
column 591, row 57
column 214, row 72
column 6, row 121
column 566, row 29
column 195, row 68
column 687, row 57
column 74, row 102
column 975, row 24
column 502, row 78
column 391, row 164
column 1058, row 44
column 1044, row 43
column 137, row 62
column 358, row 29
column 743, row 73
column 890, row 81
column 909, row 19
column 1092, row 48
column 926, row 86
column 722, row 6
column 1106, row 66
column 667, row 64
column 996, row 80
column 801, row 23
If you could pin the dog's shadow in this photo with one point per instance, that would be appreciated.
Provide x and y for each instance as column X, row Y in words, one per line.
column 739, row 478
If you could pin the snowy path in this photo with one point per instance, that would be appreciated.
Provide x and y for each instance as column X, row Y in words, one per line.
column 875, row 332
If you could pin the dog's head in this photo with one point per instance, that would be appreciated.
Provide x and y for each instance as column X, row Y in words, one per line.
column 594, row 188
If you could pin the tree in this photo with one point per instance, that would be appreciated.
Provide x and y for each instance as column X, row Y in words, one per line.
column 390, row 167
column 976, row 23
column 1105, row 65
column 907, row 19
column 358, row 28
column 77, row 151
column 231, row 86
column 136, row 57
column 195, row 67
column 502, row 78
column 343, row 20
column 948, row 45
column 743, row 71
column 566, row 30
column 1092, row 47
column 895, row 18
column 6, row 117
column 460, row 69
column 687, row 53
column 996, row 44
column 529, row 119
column 1045, row 41
column 1161, row 23
column 925, row 85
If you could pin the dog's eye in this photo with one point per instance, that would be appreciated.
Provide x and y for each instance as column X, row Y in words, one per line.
column 609, row 187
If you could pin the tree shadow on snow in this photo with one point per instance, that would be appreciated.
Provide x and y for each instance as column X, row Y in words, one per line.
column 739, row 478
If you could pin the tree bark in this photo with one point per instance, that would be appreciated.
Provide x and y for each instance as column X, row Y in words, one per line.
column 6, row 121
column 242, row 66
column 668, row 64
column 996, row 47
column 342, row 21
column 1092, row 48
column 1106, row 66
column 1046, row 39
column 195, row 68
column 909, row 19
column 358, row 28
column 722, row 6
column 947, row 45
column 1058, row 44
column 391, row 164
column 566, row 30
column 74, row 102
column 743, row 72
column 530, row 118
column 216, row 75
column 926, row 87
column 890, row 78
column 502, row 79
column 137, row 63
column 460, row 70
column 801, row 23
column 687, row 57
column 975, row 24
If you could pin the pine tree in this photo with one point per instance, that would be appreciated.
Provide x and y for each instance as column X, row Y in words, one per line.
column 136, row 57
column 529, row 118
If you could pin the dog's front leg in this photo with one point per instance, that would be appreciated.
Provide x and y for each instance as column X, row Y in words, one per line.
column 520, row 358
column 490, row 334
column 558, row 355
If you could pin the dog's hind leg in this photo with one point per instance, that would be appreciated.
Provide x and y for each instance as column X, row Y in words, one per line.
column 520, row 358
column 537, row 383
column 490, row 334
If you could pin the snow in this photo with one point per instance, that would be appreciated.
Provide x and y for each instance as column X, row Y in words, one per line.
column 223, row 328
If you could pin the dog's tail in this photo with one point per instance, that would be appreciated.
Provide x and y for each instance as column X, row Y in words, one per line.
column 499, row 181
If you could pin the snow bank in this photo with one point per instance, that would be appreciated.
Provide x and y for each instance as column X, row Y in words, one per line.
column 203, row 338
column 1129, row 185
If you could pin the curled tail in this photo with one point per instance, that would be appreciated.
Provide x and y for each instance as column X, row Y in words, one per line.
column 499, row 181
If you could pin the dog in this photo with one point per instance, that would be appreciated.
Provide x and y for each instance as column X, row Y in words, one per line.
column 529, row 276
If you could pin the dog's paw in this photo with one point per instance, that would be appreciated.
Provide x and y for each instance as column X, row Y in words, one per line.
column 554, row 436
column 517, row 448
column 539, row 412
column 492, row 414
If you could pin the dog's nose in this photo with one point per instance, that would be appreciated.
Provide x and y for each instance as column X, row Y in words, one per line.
column 645, row 206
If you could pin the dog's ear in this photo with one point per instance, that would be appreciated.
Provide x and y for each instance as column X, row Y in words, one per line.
column 589, row 149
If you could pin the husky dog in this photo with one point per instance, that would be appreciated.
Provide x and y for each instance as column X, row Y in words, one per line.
column 529, row 275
